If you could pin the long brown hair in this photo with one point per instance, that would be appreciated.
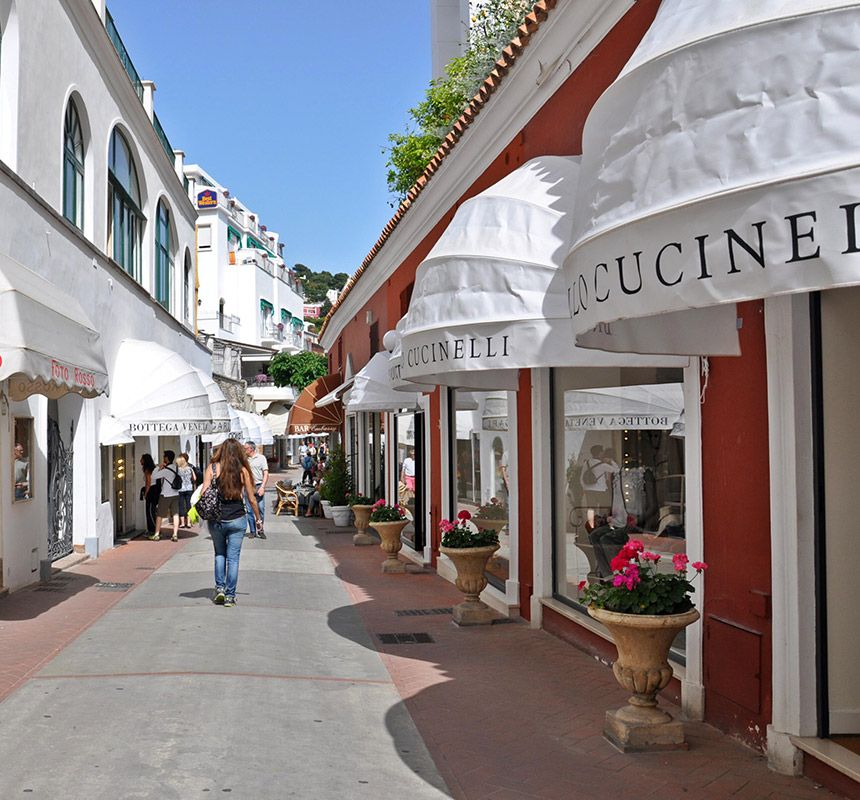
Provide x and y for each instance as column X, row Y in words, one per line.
column 232, row 460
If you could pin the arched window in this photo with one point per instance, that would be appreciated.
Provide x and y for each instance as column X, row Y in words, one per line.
column 163, row 259
column 125, row 219
column 73, row 167
column 187, row 291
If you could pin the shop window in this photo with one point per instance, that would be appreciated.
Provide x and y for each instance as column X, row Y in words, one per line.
column 73, row 167
column 125, row 218
column 618, row 465
column 107, row 471
column 480, row 474
column 22, row 459
column 409, row 430
column 163, row 256
column 204, row 237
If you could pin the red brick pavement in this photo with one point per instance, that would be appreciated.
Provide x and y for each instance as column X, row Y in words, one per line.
column 510, row 713
column 37, row 622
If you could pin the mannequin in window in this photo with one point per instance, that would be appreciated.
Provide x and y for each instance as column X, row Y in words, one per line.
column 608, row 539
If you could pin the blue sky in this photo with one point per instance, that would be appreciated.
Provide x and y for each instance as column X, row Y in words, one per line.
column 289, row 105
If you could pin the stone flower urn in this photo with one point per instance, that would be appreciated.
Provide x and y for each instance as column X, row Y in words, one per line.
column 389, row 532
column 642, row 668
column 496, row 525
column 362, row 519
column 471, row 563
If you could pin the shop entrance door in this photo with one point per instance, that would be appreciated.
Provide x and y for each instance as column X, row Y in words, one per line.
column 411, row 475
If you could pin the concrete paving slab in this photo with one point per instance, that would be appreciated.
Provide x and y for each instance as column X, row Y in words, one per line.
column 175, row 738
column 241, row 640
column 270, row 560
column 275, row 589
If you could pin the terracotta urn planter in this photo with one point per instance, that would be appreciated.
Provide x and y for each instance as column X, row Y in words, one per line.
column 389, row 532
column 362, row 519
column 471, row 563
column 642, row 668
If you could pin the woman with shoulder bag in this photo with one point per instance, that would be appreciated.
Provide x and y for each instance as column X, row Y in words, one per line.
column 231, row 476
column 150, row 491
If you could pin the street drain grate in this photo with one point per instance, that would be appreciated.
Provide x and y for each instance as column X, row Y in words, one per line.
column 107, row 586
column 423, row 612
column 405, row 638
column 147, row 568
column 49, row 588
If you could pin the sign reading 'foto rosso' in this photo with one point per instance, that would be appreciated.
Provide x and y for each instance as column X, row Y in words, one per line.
column 72, row 376
column 208, row 198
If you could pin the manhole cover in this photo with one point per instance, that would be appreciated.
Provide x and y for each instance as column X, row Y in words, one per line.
column 405, row 638
column 107, row 586
column 423, row 612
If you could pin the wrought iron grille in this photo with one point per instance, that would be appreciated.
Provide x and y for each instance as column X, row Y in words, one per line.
column 60, row 491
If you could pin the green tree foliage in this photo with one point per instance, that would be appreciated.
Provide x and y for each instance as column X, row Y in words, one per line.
column 316, row 284
column 492, row 27
column 337, row 482
column 297, row 370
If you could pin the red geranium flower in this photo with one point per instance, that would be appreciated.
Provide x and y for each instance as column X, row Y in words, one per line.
column 464, row 515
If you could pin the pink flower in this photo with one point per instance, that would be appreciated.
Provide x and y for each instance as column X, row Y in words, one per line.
column 582, row 585
column 679, row 561
column 464, row 515
column 619, row 562
column 379, row 503
column 699, row 566
column 635, row 546
column 648, row 556
column 619, row 580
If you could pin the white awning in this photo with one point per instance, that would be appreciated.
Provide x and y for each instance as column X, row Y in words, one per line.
column 255, row 428
column 155, row 391
column 490, row 298
column 217, row 403
column 266, row 435
column 372, row 391
column 720, row 166
column 392, row 342
column 47, row 343
column 277, row 417
column 235, row 431
column 112, row 431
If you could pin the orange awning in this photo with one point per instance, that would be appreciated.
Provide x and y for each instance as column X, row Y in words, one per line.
column 305, row 417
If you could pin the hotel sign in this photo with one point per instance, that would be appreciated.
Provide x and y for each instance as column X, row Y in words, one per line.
column 208, row 198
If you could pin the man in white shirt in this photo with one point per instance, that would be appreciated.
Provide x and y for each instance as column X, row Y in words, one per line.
column 168, row 500
column 259, row 465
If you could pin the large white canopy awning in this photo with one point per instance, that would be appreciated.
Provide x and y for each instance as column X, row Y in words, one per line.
column 335, row 395
column 155, row 391
column 392, row 342
column 720, row 166
column 372, row 391
column 218, row 406
column 255, row 428
column 490, row 297
column 47, row 343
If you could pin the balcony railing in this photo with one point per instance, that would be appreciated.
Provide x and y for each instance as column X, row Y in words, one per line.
column 273, row 332
column 251, row 255
column 226, row 322
column 162, row 136
column 124, row 57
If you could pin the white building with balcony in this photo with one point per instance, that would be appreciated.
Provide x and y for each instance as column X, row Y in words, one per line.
column 246, row 293
column 96, row 288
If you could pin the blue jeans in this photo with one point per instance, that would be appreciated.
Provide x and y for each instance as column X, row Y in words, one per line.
column 227, row 540
column 261, row 504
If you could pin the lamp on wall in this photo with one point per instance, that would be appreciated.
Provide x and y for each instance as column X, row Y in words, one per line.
column 368, row 317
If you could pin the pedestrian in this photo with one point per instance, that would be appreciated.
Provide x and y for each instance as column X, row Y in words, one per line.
column 187, row 474
column 303, row 451
column 232, row 475
column 168, row 502
column 259, row 466
column 314, row 501
column 150, row 491
column 307, row 466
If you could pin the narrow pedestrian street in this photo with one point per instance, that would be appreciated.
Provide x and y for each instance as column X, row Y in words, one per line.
column 121, row 679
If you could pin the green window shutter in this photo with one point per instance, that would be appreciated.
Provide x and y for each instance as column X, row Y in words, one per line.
column 265, row 305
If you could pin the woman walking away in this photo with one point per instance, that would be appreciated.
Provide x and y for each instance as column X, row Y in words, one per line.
column 187, row 475
column 150, row 491
column 230, row 472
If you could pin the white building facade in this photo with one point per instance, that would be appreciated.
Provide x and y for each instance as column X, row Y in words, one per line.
column 92, row 201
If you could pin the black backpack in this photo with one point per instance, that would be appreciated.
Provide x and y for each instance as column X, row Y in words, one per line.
column 176, row 483
column 198, row 474
column 588, row 475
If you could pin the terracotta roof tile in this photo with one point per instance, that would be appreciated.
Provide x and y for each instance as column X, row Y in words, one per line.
column 508, row 57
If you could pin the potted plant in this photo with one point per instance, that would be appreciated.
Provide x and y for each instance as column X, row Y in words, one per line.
column 389, row 522
column 492, row 516
column 644, row 609
column 361, row 508
column 337, row 487
column 470, row 547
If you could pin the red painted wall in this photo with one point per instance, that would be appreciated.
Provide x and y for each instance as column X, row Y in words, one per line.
column 736, row 498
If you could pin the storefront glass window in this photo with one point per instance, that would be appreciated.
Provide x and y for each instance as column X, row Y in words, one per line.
column 22, row 451
column 618, row 447
column 410, row 475
column 481, row 470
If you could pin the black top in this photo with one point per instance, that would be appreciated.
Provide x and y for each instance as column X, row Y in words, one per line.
column 230, row 509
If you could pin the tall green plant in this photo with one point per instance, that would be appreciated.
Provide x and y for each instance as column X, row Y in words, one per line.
column 297, row 370
column 337, row 481
column 492, row 27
